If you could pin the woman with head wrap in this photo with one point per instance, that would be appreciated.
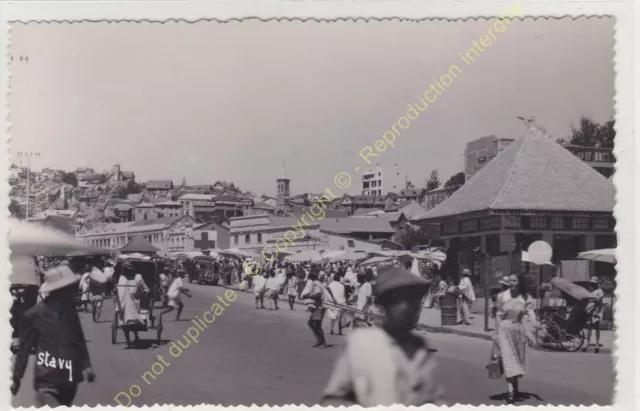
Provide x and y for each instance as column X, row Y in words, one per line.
column 129, row 289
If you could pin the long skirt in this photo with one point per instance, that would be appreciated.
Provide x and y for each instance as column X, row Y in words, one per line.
column 512, row 339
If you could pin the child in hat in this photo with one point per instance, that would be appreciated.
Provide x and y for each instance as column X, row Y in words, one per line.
column 369, row 373
column 53, row 328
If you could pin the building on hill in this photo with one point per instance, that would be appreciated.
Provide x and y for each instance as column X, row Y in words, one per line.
column 351, row 203
column 434, row 197
column 159, row 187
column 211, row 235
column 532, row 190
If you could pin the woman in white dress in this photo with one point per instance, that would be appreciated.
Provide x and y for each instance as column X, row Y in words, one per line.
column 513, row 305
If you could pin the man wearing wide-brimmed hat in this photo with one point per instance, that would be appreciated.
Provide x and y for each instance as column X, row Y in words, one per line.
column 391, row 364
column 54, row 329
column 467, row 296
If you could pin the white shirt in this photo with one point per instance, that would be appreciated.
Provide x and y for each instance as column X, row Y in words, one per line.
column 272, row 284
column 364, row 291
column 174, row 288
column 109, row 272
column 337, row 290
column 466, row 288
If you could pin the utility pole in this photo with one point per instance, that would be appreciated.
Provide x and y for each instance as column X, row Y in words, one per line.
column 28, row 156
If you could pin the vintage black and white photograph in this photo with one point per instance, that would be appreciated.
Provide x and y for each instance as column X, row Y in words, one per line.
column 287, row 212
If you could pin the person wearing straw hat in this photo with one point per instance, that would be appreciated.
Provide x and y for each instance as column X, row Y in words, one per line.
column 467, row 296
column 53, row 328
column 595, row 309
column 391, row 364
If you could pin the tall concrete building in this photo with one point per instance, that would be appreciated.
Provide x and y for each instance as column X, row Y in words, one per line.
column 479, row 152
column 380, row 181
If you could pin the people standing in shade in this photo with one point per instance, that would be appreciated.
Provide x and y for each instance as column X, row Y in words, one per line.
column 291, row 288
column 53, row 328
column 259, row 288
column 514, row 305
column 335, row 313
column 467, row 296
column 175, row 289
column 595, row 310
column 440, row 291
column 391, row 364
column 314, row 292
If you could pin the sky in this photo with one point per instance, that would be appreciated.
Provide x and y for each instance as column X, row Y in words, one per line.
column 212, row 101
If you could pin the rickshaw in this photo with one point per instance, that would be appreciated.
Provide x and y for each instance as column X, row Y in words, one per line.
column 562, row 327
column 150, row 274
column 204, row 270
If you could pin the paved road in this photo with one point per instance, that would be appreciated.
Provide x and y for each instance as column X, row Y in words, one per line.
column 250, row 356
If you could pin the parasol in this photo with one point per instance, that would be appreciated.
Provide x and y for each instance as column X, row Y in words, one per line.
column 606, row 255
column 352, row 255
column 24, row 271
column 36, row 239
column 527, row 259
column 305, row 256
column 376, row 260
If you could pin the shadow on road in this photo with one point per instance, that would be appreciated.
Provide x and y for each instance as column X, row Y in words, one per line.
column 522, row 396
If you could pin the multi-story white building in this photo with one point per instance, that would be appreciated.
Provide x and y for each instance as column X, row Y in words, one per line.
column 173, row 234
column 380, row 181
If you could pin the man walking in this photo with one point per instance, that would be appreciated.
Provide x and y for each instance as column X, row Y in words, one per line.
column 175, row 289
column 53, row 328
column 467, row 296
column 595, row 310
column 314, row 292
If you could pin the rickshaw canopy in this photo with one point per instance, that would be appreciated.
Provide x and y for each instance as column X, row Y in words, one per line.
column 573, row 290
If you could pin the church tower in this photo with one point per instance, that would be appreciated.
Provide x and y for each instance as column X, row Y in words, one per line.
column 282, row 198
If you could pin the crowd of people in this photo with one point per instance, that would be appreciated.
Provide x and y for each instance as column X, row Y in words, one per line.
column 385, row 360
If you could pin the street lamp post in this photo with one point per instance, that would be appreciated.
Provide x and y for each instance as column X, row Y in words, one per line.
column 28, row 156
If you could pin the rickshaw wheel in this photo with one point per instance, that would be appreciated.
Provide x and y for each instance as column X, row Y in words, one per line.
column 114, row 328
column 573, row 342
column 545, row 335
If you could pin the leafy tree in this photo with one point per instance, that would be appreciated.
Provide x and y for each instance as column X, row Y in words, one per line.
column 410, row 185
column 14, row 209
column 133, row 188
column 70, row 178
column 592, row 134
column 433, row 181
column 455, row 180
column 410, row 237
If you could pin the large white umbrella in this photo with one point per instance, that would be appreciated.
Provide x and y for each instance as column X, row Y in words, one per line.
column 37, row 239
column 305, row 256
column 605, row 255
column 376, row 260
column 352, row 255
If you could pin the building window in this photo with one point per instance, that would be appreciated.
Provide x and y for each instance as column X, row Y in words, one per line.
column 247, row 238
column 235, row 239
column 601, row 224
column 580, row 223
column 469, row 226
column 450, row 228
column 490, row 223
column 512, row 221
column 351, row 243
column 204, row 236
column 557, row 223
column 373, row 183
column 259, row 237
column 539, row 222
column 482, row 160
